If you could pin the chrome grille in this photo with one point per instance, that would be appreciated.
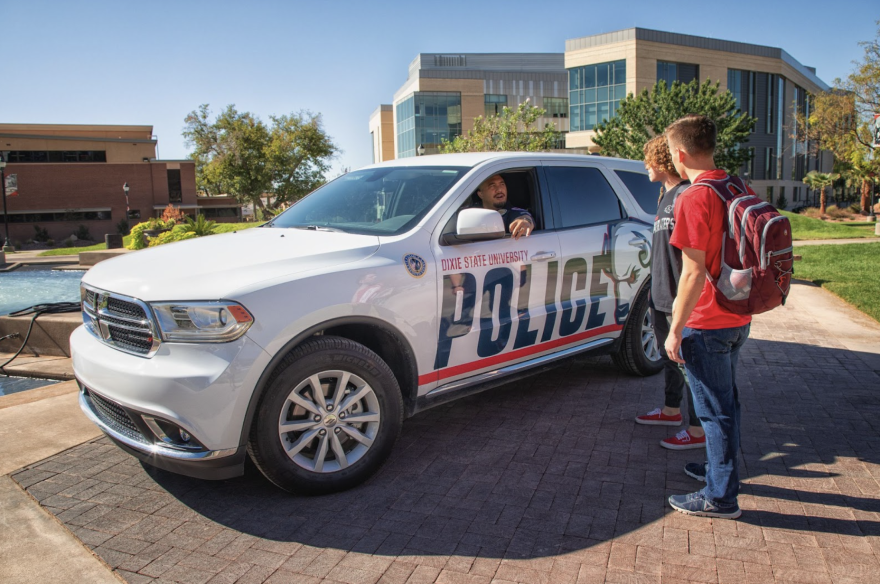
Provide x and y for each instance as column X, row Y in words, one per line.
column 115, row 417
column 120, row 321
column 125, row 308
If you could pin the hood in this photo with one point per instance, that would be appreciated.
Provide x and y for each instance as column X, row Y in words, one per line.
column 215, row 266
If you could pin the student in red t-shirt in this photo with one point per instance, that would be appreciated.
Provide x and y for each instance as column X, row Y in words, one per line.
column 703, row 336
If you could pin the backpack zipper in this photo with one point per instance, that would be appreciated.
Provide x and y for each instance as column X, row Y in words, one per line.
column 764, row 241
column 742, row 229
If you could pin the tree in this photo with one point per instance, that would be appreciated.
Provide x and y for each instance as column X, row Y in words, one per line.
column 820, row 180
column 840, row 120
column 239, row 155
column 641, row 117
column 511, row 130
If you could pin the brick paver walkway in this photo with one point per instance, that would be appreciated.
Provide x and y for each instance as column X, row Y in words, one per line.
column 544, row 480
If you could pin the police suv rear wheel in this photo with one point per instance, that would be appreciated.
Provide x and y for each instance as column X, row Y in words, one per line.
column 328, row 419
column 639, row 353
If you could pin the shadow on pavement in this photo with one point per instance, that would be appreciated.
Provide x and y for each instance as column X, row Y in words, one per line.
column 532, row 469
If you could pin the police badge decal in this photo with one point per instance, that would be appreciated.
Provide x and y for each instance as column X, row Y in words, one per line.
column 415, row 265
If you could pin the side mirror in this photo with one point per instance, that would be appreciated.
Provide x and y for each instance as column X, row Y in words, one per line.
column 479, row 225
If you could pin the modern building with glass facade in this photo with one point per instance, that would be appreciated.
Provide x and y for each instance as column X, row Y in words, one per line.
column 584, row 86
column 767, row 82
column 444, row 93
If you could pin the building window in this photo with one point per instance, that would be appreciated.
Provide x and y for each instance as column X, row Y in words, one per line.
column 753, row 97
column 219, row 212
column 373, row 148
column 736, row 85
column 557, row 107
column 175, row 189
column 768, row 163
column 595, row 92
column 427, row 119
column 681, row 72
column 71, row 215
column 19, row 156
column 780, row 120
column 750, row 165
column 495, row 104
column 770, row 194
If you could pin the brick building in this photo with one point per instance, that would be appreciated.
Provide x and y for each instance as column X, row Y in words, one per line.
column 72, row 175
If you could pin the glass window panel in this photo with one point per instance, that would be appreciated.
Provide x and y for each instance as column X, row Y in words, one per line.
column 620, row 71
column 574, row 81
column 585, row 195
column 619, row 92
column 602, row 74
column 589, row 96
column 576, row 118
column 590, row 117
column 589, row 77
column 604, row 111
column 601, row 94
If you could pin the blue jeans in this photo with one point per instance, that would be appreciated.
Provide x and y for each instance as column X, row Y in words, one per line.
column 710, row 361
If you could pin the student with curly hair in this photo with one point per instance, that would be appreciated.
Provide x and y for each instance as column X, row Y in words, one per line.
column 665, row 272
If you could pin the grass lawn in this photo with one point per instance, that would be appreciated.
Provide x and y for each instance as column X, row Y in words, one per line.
column 851, row 271
column 221, row 228
column 804, row 228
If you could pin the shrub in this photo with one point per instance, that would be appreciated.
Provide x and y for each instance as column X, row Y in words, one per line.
column 179, row 233
column 837, row 213
column 811, row 212
column 855, row 208
column 781, row 202
column 41, row 234
column 200, row 226
column 172, row 213
column 82, row 232
column 17, row 245
column 50, row 242
column 122, row 228
column 69, row 242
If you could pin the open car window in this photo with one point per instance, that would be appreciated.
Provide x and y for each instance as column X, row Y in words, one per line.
column 522, row 192
column 378, row 201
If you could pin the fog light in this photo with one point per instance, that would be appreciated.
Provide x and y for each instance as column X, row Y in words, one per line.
column 184, row 436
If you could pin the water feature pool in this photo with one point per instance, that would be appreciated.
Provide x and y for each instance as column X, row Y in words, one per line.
column 31, row 285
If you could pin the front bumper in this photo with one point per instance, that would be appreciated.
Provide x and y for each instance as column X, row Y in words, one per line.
column 182, row 410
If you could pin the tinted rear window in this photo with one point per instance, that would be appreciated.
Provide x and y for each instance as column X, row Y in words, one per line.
column 581, row 196
column 646, row 193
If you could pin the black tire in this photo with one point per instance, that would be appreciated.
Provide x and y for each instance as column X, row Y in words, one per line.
column 285, row 400
column 632, row 356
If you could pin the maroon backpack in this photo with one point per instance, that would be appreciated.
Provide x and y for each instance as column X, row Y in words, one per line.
column 756, row 252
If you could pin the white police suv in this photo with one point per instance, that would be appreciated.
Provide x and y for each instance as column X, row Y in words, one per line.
column 305, row 343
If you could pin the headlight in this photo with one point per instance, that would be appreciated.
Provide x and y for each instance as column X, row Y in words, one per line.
column 202, row 322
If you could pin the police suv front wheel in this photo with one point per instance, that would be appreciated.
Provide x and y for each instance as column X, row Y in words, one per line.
column 328, row 419
column 639, row 353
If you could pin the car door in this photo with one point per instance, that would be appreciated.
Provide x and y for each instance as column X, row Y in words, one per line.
column 604, row 254
column 493, row 295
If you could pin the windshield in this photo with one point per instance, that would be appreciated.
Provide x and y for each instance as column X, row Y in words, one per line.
column 378, row 201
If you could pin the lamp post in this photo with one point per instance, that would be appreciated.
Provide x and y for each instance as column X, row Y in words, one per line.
column 420, row 151
column 6, row 245
column 127, row 210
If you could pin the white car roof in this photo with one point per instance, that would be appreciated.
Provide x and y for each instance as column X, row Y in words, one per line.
column 473, row 159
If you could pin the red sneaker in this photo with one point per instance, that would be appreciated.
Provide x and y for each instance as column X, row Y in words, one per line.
column 683, row 441
column 658, row 418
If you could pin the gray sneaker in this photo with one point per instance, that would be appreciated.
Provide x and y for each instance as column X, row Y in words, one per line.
column 696, row 470
column 697, row 504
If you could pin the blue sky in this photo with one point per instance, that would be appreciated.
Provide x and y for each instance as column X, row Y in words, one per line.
column 151, row 63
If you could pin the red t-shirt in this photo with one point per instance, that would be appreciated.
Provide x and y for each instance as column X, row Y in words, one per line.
column 699, row 224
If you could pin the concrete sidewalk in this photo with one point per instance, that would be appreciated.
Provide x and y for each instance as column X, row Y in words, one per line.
column 543, row 480
column 836, row 241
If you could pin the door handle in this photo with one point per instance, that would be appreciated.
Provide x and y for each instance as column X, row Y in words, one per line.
column 543, row 255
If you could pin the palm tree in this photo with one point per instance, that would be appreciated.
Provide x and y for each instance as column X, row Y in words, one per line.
column 820, row 180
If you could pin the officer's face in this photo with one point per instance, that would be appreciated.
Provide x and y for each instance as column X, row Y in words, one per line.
column 493, row 192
